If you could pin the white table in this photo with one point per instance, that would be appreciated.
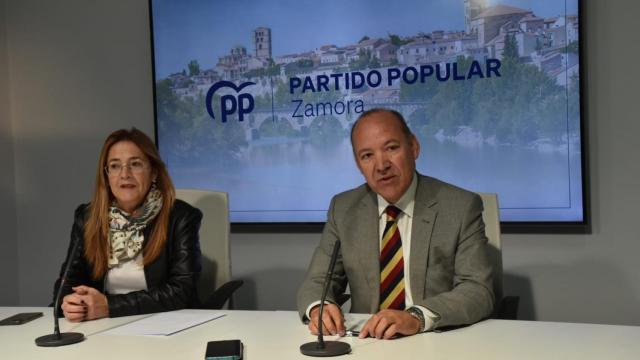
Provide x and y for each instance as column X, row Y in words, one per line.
column 279, row 334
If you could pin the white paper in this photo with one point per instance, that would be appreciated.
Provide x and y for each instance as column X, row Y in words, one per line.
column 166, row 323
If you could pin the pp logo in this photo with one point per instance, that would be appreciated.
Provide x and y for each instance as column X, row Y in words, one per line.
column 230, row 104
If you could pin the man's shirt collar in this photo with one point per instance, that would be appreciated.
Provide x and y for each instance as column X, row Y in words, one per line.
column 406, row 202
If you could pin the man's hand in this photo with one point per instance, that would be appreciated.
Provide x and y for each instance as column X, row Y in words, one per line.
column 332, row 320
column 94, row 302
column 388, row 323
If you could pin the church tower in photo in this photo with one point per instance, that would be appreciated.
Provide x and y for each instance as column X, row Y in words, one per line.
column 262, row 43
column 471, row 9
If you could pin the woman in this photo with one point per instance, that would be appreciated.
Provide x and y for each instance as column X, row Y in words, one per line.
column 138, row 245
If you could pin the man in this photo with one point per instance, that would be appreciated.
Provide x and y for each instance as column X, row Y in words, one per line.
column 413, row 248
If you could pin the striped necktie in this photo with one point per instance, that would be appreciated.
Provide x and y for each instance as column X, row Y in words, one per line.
column 391, row 264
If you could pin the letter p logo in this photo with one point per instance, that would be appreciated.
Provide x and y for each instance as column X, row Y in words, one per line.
column 230, row 104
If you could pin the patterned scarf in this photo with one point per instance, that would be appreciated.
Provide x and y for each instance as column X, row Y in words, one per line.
column 126, row 230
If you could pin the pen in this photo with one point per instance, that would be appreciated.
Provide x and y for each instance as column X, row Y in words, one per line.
column 352, row 333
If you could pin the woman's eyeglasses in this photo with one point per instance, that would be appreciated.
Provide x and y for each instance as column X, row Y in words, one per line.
column 115, row 168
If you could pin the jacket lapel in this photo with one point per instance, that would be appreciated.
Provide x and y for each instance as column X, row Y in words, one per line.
column 425, row 213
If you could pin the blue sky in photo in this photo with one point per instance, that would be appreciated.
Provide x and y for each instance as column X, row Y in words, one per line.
column 206, row 29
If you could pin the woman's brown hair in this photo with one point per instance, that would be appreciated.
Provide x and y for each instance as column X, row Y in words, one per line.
column 96, row 228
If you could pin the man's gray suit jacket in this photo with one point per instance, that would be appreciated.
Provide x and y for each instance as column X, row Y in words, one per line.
column 451, row 274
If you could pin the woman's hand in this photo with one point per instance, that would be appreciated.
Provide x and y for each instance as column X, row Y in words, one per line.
column 73, row 308
column 86, row 303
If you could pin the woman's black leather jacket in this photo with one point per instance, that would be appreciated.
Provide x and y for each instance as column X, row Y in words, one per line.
column 171, row 278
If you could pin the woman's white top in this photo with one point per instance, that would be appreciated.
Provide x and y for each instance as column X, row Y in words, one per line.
column 128, row 276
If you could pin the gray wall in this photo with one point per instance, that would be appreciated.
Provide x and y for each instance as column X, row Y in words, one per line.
column 80, row 69
column 8, row 244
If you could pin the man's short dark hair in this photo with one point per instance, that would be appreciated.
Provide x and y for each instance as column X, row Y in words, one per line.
column 403, row 124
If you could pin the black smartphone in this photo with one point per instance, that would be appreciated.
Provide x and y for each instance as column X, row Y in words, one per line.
column 224, row 350
column 19, row 319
